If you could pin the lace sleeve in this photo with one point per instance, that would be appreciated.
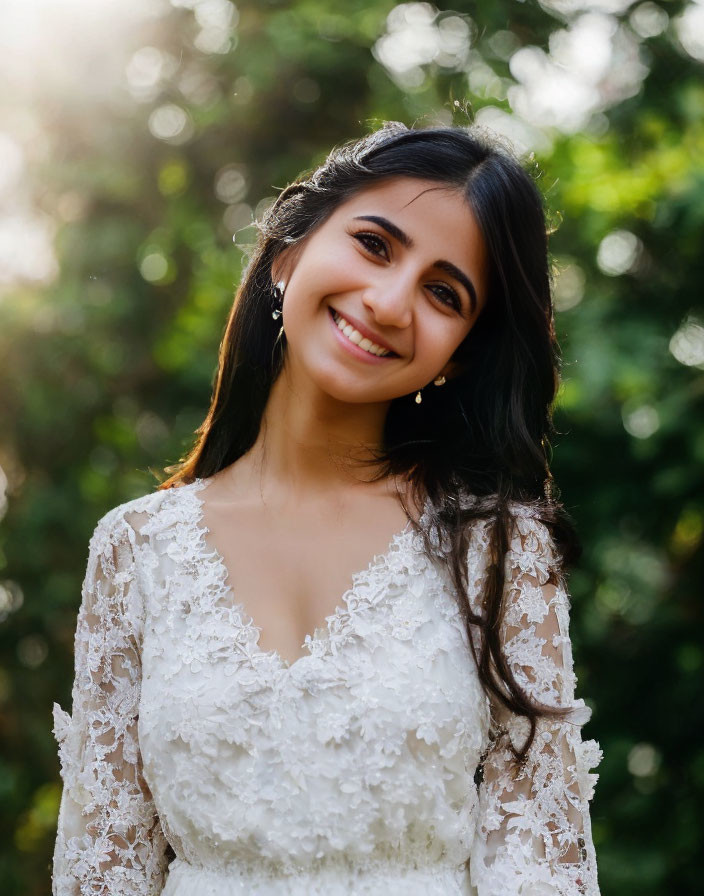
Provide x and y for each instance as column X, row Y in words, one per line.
column 109, row 840
column 534, row 832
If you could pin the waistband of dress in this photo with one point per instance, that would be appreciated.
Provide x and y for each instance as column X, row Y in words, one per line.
column 334, row 874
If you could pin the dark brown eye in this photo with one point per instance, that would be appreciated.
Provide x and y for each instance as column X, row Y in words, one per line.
column 373, row 243
column 446, row 295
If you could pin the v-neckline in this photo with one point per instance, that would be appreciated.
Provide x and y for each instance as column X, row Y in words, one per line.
column 343, row 609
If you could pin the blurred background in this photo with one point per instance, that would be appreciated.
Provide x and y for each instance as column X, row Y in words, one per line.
column 140, row 139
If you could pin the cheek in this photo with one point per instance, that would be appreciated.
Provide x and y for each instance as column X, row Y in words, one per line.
column 329, row 267
column 438, row 338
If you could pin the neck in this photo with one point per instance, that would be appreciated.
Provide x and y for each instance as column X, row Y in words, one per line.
column 310, row 443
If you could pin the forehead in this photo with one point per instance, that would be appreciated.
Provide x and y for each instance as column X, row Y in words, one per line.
column 400, row 193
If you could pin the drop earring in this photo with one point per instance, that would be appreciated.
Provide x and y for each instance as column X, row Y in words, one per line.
column 278, row 292
column 419, row 397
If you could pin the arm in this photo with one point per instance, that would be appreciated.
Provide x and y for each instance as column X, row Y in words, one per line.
column 109, row 841
column 533, row 837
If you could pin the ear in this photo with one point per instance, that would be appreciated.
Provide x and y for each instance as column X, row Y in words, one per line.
column 283, row 265
column 451, row 369
column 277, row 271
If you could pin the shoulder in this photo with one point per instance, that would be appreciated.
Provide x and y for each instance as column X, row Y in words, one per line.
column 530, row 543
column 525, row 518
column 530, row 535
column 121, row 541
column 138, row 518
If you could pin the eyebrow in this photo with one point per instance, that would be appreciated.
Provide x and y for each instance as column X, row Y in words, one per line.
column 407, row 242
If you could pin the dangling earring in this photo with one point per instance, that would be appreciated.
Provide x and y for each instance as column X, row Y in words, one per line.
column 439, row 380
column 550, row 490
column 419, row 397
column 549, row 487
column 278, row 292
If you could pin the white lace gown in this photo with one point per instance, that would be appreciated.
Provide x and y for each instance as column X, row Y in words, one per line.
column 354, row 770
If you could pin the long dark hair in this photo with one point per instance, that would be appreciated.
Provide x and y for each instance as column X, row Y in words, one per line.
column 483, row 434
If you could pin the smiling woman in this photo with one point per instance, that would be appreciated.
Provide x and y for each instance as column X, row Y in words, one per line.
column 331, row 653
column 379, row 264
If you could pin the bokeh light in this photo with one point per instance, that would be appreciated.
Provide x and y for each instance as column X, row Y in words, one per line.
column 687, row 344
column 416, row 36
column 690, row 29
column 618, row 252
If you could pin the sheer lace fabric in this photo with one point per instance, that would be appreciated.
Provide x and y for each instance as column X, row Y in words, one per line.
column 351, row 770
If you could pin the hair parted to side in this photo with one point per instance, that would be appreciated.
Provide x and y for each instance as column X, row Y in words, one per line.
column 485, row 433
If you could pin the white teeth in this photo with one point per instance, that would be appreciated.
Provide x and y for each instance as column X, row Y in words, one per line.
column 356, row 337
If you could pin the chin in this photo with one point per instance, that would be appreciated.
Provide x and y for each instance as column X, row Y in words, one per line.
column 347, row 393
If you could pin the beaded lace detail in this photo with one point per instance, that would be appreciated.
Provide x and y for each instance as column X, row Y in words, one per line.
column 368, row 765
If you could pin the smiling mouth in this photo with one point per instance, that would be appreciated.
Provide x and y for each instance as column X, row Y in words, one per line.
column 356, row 338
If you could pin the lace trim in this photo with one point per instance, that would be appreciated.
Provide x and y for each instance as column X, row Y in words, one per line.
column 331, row 633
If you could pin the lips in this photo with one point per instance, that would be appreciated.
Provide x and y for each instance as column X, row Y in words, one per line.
column 365, row 331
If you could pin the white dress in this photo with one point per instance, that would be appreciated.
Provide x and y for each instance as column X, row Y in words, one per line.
column 353, row 770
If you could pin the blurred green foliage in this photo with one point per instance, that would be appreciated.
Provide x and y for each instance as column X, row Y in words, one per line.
column 107, row 370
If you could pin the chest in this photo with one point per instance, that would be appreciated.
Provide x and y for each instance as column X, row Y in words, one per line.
column 396, row 641
column 288, row 575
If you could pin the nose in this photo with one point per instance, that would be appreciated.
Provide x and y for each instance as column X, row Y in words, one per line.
column 390, row 300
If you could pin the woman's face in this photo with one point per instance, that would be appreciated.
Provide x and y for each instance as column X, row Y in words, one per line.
column 403, row 264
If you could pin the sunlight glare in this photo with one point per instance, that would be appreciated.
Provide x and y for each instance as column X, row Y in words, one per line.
column 55, row 53
column 41, row 40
